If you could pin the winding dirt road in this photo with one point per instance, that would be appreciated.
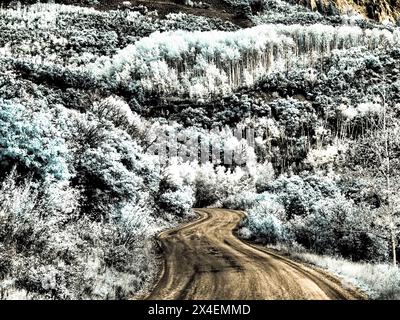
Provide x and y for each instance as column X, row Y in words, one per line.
column 204, row 260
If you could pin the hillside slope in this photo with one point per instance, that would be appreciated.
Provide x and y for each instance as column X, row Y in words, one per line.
column 238, row 11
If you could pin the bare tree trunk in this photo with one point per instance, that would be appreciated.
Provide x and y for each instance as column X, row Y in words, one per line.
column 387, row 174
column 393, row 241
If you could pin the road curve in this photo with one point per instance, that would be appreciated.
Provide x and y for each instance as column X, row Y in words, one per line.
column 204, row 260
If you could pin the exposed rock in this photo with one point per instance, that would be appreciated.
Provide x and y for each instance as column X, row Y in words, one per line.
column 379, row 10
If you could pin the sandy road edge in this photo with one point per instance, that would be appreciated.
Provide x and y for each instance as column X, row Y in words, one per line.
column 199, row 216
column 303, row 266
column 300, row 264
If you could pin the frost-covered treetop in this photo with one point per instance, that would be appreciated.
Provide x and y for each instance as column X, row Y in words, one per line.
column 230, row 46
column 183, row 44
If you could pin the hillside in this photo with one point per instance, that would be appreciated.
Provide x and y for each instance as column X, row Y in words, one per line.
column 239, row 11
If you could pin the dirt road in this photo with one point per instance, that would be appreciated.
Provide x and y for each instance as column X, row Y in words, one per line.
column 204, row 260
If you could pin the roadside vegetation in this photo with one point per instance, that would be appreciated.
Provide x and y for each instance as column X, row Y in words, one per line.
column 379, row 281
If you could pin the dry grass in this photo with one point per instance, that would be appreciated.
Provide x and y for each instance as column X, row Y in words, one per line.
column 378, row 281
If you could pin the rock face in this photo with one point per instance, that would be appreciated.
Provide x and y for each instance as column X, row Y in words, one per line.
column 379, row 10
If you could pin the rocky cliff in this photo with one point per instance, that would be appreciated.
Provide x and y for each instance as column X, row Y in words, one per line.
column 379, row 10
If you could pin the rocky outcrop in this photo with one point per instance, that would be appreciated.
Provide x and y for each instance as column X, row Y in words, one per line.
column 379, row 10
